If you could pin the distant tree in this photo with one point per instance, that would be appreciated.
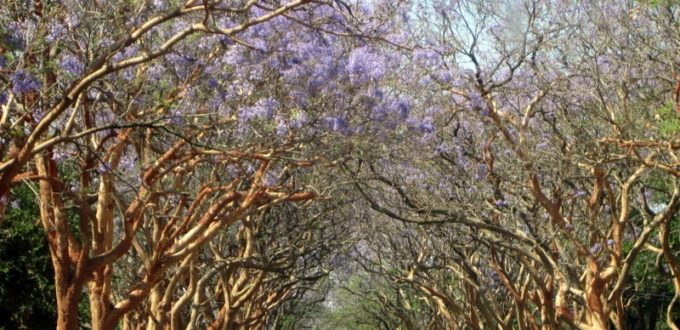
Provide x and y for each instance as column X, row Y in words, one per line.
column 545, row 175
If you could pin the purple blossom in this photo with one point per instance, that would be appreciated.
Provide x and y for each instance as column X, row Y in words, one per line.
column 3, row 61
column 72, row 21
column 154, row 72
column 426, row 125
column 269, row 180
column 482, row 170
column 363, row 66
column 460, row 157
column 299, row 98
column 71, row 64
column 103, row 168
column 338, row 124
column 426, row 58
column 603, row 62
column 38, row 115
column 298, row 119
column 294, row 74
column 412, row 123
column 403, row 108
column 595, row 248
column 234, row 56
column 259, row 44
column 177, row 120
column 131, row 50
column 484, row 111
column 160, row 4
column 379, row 113
column 233, row 171
column 250, row 170
column 477, row 103
column 281, row 128
column 24, row 82
column 579, row 193
column 610, row 242
column 255, row 72
column 294, row 60
column 59, row 154
column 444, row 76
column 433, row 111
column 225, row 41
column 73, row 186
column 525, row 229
column 378, row 93
column 3, row 98
column 441, row 148
column 128, row 163
column 263, row 108
column 212, row 83
column 315, row 83
column 501, row 203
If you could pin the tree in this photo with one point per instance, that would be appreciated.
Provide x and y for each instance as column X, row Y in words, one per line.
column 132, row 127
column 545, row 162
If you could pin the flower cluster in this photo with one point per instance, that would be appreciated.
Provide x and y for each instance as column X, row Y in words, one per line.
column 263, row 108
column 364, row 65
column 338, row 124
column 71, row 64
column 23, row 82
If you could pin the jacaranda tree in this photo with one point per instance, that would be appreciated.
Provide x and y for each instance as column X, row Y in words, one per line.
column 147, row 128
column 457, row 164
column 547, row 174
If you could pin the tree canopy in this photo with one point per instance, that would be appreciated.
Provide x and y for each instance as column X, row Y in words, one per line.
column 243, row 164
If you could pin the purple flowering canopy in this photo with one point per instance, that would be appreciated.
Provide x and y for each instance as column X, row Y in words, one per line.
column 154, row 126
column 227, row 164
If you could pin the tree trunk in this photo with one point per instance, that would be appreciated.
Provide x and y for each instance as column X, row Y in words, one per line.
column 98, row 303
column 155, row 310
column 68, row 296
column 67, row 263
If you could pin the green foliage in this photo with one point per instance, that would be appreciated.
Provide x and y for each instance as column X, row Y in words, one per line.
column 656, row 3
column 366, row 302
column 652, row 288
column 26, row 277
column 288, row 322
column 669, row 123
column 351, row 311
